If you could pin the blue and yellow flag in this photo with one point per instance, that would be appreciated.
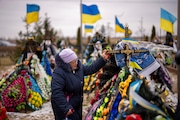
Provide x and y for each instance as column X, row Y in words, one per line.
column 32, row 13
column 134, row 64
column 88, row 28
column 167, row 20
column 130, row 40
column 118, row 26
column 90, row 14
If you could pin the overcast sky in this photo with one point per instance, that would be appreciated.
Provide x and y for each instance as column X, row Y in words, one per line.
column 65, row 15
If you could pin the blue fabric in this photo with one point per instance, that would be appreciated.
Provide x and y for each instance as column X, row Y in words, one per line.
column 114, row 111
column 32, row 8
column 46, row 64
column 167, row 16
column 35, row 86
column 48, row 67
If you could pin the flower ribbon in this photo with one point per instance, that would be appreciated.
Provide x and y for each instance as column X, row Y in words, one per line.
column 144, row 103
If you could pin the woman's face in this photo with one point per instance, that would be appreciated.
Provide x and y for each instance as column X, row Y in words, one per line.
column 73, row 64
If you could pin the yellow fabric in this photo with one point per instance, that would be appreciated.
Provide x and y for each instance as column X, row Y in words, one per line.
column 134, row 65
column 32, row 17
column 119, row 29
column 86, row 18
column 166, row 25
column 87, row 30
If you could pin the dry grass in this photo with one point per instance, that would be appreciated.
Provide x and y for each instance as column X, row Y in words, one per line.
column 6, row 61
column 6, row 64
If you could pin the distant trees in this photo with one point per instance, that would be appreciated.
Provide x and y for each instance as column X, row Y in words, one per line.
column 42, row 30
column 153, row 34
column 49, row 32
column 79, row 37
column 103, row 31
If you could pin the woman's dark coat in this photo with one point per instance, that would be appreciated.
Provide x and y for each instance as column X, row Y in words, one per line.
column 65, row 83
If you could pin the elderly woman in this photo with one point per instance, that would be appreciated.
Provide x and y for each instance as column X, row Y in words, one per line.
column 67, row 83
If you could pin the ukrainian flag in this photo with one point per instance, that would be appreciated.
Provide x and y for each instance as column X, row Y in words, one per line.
column 32, row 13
column 118, row 26
column 130, row 40
column 88, row 28
column 167, row 20
column 90, row 14
column 133, row 64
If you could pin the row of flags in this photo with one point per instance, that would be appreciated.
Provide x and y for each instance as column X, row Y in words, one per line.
column 91, row 14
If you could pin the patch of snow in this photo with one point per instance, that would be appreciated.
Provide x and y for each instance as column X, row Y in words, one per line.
column 45, row 113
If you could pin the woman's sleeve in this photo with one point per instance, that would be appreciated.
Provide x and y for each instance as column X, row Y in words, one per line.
column 94, row 67
column 57, row 89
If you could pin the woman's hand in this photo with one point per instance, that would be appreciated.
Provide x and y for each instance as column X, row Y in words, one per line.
column 70, row 111
column 105, row 55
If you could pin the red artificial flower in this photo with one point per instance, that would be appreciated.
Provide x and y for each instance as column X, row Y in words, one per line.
column 23, row 72
column 3, row 110
column 29, row 83
column 27, row 77
column 3, row 115
column 133, row 117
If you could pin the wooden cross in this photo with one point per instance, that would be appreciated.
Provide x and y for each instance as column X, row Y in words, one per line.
column 127, row 52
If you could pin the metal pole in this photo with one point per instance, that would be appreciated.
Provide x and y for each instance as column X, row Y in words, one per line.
column 178, row 48
column 160, row 34
column 27, row 30
column 81, row 30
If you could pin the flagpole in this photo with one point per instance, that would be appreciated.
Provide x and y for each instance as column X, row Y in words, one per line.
column 178, row 49
column 160, row 34
column 81, row 44
column 115, row 25
column 27, row 29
